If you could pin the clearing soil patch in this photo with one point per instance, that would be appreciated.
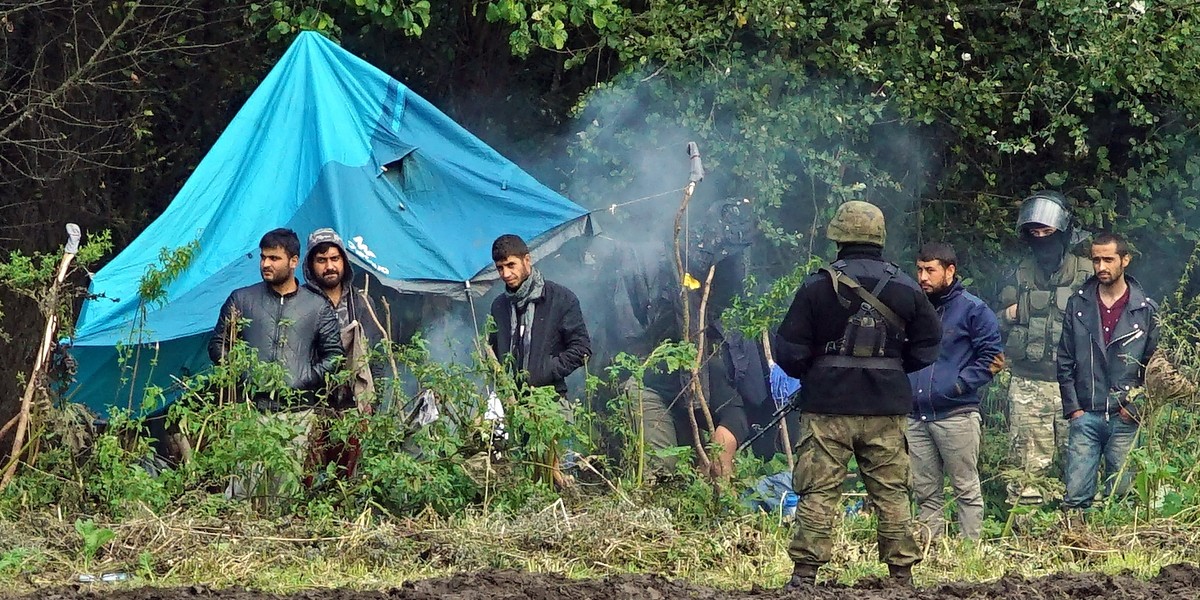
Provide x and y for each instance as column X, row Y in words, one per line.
column 1177, row 581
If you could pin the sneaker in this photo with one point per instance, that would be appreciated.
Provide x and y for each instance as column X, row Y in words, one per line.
column 1027, row 495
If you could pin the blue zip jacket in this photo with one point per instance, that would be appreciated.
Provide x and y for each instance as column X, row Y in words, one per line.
column 970, row 341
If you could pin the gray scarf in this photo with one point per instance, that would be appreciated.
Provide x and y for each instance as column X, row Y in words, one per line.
column 522, row 299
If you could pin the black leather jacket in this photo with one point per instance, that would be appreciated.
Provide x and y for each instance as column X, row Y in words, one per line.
column 298, row 330
column 1097, row 377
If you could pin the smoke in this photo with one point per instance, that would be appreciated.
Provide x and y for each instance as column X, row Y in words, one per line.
column 448, row 332
column 624, row 156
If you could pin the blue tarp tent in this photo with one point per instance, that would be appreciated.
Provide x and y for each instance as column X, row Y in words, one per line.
column 326, row 140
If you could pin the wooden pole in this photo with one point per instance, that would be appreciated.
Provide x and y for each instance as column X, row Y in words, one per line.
column 784, row 437
column 40, row 359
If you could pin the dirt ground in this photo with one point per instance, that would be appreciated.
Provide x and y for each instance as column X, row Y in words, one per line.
column 1177, row 582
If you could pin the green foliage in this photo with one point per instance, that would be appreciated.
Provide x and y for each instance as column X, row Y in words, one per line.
column 753, row 313
column 285, row 19
column 944, row 116
column 33, row 275
column 120, row 479
column 624, row 409
column 282, row 20
column 94, row 538
column 545, row 25
column 16, row 560
column 25, row 273
column 152, row 287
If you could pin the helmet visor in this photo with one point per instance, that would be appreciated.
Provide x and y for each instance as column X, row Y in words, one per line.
column 1040, row 211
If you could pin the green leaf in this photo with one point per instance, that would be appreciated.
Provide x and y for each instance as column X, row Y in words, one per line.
column 1172, row 504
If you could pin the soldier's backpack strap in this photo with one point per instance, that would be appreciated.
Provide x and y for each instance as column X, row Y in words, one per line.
column 835, row 271
column 871, row 297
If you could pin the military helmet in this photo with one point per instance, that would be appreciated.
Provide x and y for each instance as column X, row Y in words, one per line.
column 857, row 222
column 1044, row 208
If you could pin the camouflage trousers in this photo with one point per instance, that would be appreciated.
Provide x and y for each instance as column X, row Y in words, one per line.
column 823, row 451
column 1036, row 430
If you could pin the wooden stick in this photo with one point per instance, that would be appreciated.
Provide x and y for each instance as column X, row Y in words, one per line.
column 386, row 333
column 39, row 361
column 701, row 326
column 784, row 437
column 697, row 443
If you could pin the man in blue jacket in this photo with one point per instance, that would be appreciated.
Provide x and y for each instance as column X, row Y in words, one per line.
column 944, row 426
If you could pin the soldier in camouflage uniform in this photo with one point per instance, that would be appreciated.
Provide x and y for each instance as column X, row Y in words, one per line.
column 1032, row 319
column 853, row 332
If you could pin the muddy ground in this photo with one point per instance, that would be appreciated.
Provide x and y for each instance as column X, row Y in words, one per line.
column 1178, row 582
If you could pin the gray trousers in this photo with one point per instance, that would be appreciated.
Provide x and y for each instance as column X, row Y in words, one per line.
column 947, row 448
column 652, row 421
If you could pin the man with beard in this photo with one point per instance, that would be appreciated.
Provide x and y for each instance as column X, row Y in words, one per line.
column 1032, row 319
column 852, row 333
column 288, row 325
column 1109, row 334
column 540, row 333
column 328, row 273
column 538, row 322
column 944, row 425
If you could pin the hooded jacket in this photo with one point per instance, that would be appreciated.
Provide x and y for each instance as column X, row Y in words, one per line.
column 298, row 331
column 355, row 304
column 816, row 319
column 970, row 341
column 558, row 343
column 1097, row 377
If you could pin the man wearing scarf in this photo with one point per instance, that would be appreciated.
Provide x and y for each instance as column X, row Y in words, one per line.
column 540, row 334
column 1032, row 319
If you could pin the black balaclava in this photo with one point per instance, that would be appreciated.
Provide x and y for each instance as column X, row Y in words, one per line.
column 1049, row 251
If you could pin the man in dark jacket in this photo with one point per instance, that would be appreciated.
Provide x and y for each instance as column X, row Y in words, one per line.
column 328, row 272
column 852, row 333
column 539, row 325
column 1109, row 334
column 944, row 425
column 294, row 327
column 288, row 324
column 540, row 334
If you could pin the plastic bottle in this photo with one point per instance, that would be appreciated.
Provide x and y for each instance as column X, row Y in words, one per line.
column 788, row 507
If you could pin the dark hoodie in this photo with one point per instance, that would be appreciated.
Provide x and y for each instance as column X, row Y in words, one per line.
column 354, row 305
